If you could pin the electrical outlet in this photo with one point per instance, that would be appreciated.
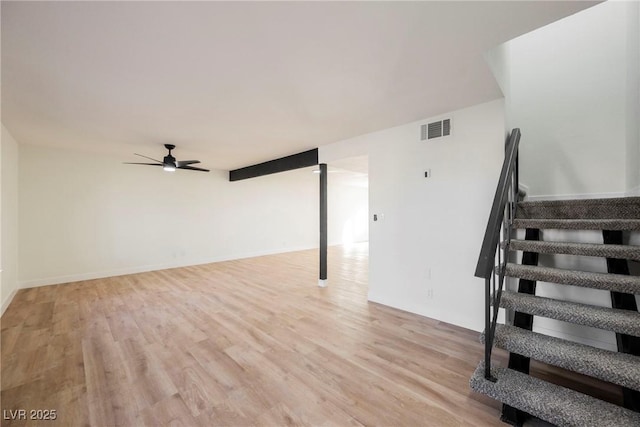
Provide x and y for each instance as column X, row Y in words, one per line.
column 427, row 173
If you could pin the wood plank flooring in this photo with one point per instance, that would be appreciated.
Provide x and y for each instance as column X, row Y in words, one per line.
column 238, row 343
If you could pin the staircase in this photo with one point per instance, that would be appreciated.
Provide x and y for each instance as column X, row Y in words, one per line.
column 523, row 394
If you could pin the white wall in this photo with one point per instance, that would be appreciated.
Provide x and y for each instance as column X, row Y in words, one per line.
column 9, row 218
column 633, row 98
column 432, row 229
column 499, row 60
column 572, row 88
column 85, row 216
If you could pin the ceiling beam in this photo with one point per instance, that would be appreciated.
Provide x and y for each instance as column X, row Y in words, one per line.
column 295, row 161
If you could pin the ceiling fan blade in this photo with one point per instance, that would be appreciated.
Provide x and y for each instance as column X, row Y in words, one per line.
column 192, row 168
column 147, row 157
column 186, row 162
column 150, row 164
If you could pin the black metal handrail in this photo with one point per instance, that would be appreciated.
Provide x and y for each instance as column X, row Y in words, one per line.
column 492, row 233
column 499, row 225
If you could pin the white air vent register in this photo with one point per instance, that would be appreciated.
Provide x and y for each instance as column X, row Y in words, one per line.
column 435, row 129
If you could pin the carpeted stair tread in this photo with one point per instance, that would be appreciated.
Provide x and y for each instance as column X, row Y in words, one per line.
column 613, row 208
column 620, row 321
column 618, row 368
column 578, row 224
column 606, row 281
column 584, row 249
column 550, row 402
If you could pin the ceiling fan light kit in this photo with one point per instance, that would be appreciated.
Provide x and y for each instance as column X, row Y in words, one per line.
column 169, row 163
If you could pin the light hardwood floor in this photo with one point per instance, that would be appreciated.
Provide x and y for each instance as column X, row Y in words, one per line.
column 238, row 343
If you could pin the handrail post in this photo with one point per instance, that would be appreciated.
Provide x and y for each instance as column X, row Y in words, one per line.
column 487, row 329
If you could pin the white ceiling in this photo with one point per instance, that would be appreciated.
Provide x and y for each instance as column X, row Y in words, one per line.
column 237, row 83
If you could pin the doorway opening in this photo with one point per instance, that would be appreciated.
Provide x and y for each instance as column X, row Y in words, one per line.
column 348, row 220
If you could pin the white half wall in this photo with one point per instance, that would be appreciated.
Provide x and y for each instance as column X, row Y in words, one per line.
column 572, row 88
column 424, row 247
column 9, row 218
column 84, row 216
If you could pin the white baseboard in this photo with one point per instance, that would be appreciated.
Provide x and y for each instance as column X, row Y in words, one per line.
column 56, row 280
column 7, row 301
column 634, row 193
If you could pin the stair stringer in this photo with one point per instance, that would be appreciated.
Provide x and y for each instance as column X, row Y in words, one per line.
column 626, row 343
column 518, row 362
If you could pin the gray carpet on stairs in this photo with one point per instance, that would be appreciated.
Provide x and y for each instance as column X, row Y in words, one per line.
column 621, row 321
column 584, row 249
column 614, row 208
column 618, row 368
column 552, row 403
column 549, row 402
column 578, row 224
column 606, row 281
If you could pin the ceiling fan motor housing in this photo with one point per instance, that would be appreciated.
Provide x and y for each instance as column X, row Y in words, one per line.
column 169, row 160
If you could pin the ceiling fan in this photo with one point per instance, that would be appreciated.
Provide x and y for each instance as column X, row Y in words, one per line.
column 169, row 163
